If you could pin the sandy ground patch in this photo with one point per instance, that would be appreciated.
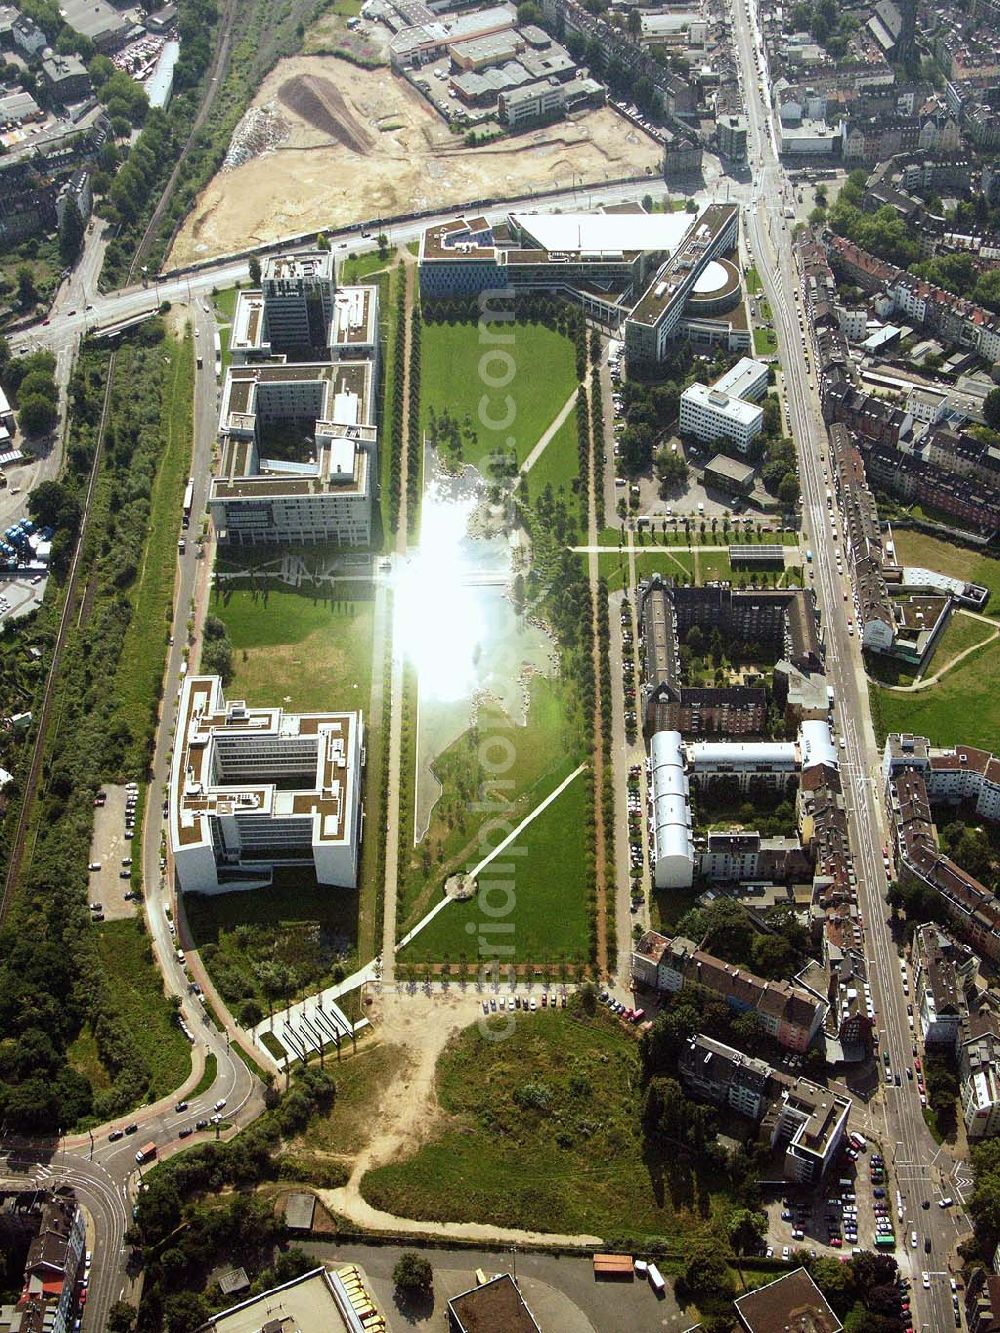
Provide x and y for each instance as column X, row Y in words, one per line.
column 343, row 161
column 409, row 1112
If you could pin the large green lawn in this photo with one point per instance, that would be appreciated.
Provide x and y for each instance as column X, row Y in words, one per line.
column 136, row 990
column 963, row 706
column 542, row 1131
column 538, row 882
column 543, row 751
column 960, row 562
column 285, row 941
column 558, row 465
column 506, row 394
column 310, row 649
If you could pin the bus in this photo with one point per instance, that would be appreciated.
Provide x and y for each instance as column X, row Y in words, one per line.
column 188, row 501
column 885, row 1240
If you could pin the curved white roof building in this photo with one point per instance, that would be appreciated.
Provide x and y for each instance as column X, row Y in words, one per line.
column 817, row 745
column 673, row 843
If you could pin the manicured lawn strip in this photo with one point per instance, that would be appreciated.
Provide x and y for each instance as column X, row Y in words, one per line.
column 764, row 342
column 678, row 565
column 544, row 751
column 961, row 633
column 136, row 990
column 361, row 268
column 559, row 463
column 140, row 668
column 543, row 1132
column 208, row 1077
column 271, row 1043
column 225, row 302
column 277, row 943
column 753, row 282
column 454, row 362
column 960, row 562
column 257, row 1070
column 312, row 648
column 549, row 911
column 963, row 706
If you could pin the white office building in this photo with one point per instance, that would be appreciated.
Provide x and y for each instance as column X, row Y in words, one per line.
column 746, row 380
column 670, row 817
column 298, row 292
column 712, row 414
column 325, row 496
column 254, row 788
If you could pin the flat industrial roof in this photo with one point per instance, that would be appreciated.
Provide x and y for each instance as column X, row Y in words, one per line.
column 605, row 232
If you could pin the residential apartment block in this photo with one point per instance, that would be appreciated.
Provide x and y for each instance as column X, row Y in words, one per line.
column 724, row 1076
column 979, row 1080
column 811, row 1123
column 252, row 789
column 789, row 1014
column 782, row 622
column 942, row 969
column 53, row 1267
column 909, row 776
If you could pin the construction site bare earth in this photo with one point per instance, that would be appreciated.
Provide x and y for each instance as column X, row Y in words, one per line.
column 326, row 144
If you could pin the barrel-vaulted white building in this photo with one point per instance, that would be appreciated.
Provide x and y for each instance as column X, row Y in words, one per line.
column 673, row 843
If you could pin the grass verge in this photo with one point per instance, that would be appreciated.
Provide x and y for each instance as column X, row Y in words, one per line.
column 140, row 669
column 208, row 1077
column 136, row 989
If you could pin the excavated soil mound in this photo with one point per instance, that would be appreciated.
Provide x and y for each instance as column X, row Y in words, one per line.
column 321, row 104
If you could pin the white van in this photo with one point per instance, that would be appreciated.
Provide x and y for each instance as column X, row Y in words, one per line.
column 656, row 1279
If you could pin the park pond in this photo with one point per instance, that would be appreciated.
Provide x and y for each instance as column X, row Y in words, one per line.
column 457, row 625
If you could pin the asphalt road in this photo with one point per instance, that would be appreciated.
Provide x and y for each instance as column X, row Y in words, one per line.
column 105, row 1174
column 915, row 1161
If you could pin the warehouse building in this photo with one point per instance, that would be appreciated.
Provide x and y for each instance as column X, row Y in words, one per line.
column 252, row 788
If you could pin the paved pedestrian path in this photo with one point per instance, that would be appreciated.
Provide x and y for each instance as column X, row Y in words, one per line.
column 307, row 1026
column 539, row 448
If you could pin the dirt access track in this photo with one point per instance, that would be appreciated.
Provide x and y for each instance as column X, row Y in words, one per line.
column 363, row 144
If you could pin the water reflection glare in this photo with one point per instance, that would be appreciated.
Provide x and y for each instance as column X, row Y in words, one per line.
column 439, row 620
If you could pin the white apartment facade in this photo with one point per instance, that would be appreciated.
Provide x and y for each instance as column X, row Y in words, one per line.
column 979, row 1084
column 255, row 788
column 711, row 415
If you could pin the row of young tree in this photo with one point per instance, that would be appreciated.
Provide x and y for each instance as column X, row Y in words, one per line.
column 414, row 432
column 606, row 795
column 396, row 407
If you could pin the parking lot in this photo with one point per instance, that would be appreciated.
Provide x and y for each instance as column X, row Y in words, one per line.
column 109, row 848
column 852, row 1208
column 21, row 594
